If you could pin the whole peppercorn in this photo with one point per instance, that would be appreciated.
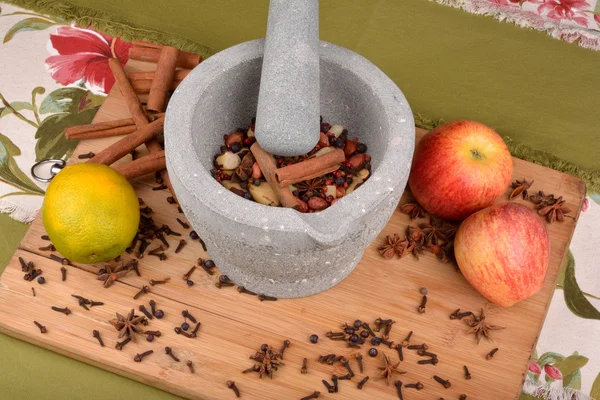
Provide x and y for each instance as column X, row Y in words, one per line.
column 189, row 282
column 339, row 143
column 339, row 181
column 185, row 326
column 194, row 235
column 349, row 331
column 364, row 334
column 247, row 196
column 264, row 347
column 373, row 352
column 209, row 263
column 41, row 280
column 348, row 180
column 357, row 323
column 150, row 338
column 256, row 182
column 235, row 147
column 375, row 341
column 354, row 338
column 159, row 314
column 314, row 339
column 361, row 148
column 101, row 271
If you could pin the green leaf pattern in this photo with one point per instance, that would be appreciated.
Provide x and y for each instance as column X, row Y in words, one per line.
column 28, row 24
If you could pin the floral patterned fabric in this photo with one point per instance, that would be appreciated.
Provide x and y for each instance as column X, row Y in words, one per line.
column 53, row 76
column 570, row 20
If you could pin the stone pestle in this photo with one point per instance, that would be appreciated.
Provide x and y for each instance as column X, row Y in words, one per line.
column 287, row 117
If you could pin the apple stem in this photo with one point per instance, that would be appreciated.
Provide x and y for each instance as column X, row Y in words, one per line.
column 476, row 154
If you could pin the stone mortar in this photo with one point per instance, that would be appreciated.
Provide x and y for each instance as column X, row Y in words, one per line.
column 277, row 251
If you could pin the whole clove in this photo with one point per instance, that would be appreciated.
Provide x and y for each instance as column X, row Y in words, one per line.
column 398, row 385
column 346, row 363
column 406, row 341
column 490, row 355
column 159, row 282
column 359, row 360
column 145, row 289
column 243, row 290
column 329, row 386
column 418, row 386
column 462, row 397
column 433, row 361
column 334, row 379
column 467, row 373
column 400, row 353
column 263, row 297
column 286, row 344
column 202, row 244
column 96, row 334
column 152, row 304
column 140, row 356
column 159, row 187
column 65, row 310
column 418, row 347
column 45, row 237
column 50, row 247
column 183, row 224
column 143, row 309
column 187, row 275
column 86, row 156
column 368, row 328
column 171, row 200
column 63, row 261
column 314, row 395
column 346, row 377
column 120, row 345
column 41, row 327
column 169, row 352
column 445, row 383
column 190, row 365
column 231, row 385
column 196, row 329
column 180, row 246
column 423, row 305
column 362, row 382
column 424, row 353
column 180, row 331
column 63, row 272
column 304, row 368
column 186, row 314
column 206, row 268
column 162, row 238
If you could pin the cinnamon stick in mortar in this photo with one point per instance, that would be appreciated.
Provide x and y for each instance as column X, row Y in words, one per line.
column 269, row 168
column 131, row 99
column 311, row 168
column 165, row 70
column 126, row 145
column 144, row 165
column 180, row 74
column 185, row 60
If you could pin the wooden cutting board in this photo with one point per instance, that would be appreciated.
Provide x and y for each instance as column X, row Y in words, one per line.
column 235, row 325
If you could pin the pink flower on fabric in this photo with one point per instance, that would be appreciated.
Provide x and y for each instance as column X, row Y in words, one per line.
column 553, row 372
column 597, row 18
column 564, row 9
column 535, row 367
column 83, row 54
column 586, row 204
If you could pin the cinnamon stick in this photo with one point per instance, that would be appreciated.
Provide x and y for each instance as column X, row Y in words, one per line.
column 268, row 167
column 142, row 86
column 165, row 70
column 144, row 165
column 311, row 168
column 185, row 60
column 126, row 145
column 154, row 148
column 141, row 43
column 131, row 99
column 98, row 126
column 96, row 134
column 180, row 74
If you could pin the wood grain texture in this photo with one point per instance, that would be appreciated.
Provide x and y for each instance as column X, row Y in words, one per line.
column 235, row 325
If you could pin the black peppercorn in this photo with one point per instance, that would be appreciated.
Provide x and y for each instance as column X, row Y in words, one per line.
column 354, row 338
column 190, row 282
column 339, row 143
column 244, row 185
column 375, row 341
column 209, row 263
column 361, row 148
column 159, row 314
column 264, row 347
column 235, row 147
column 373, row 352
column 41, row 280
column 194, row 235
column 349, row 331
column 185, row 326
column 256, row 182
column 348, row 180
column 339, row 181
column 150, row 338
column 101, row 271
column 358, row 322
column 364, row 334
column 313, row 339
column 247, row 196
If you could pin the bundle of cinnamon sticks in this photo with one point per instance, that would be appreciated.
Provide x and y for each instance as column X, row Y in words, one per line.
column 146, row 123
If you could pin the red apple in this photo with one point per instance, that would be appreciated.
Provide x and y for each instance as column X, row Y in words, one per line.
column 503, row 252
column 459, row 168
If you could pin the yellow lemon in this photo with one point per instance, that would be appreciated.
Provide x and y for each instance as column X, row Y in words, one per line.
column 90, row 212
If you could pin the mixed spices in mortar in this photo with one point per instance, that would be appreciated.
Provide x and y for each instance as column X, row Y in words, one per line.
column 335, row 167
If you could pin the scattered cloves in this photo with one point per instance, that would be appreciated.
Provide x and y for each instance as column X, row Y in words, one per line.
column 263, row 297
column 445, row 383
column 187, row 275
column 362, row 382
column 65, row 310
column 63, row 272
column 180, row 245
column 145, row 289
column 231, row 385
column 139, row 357
column 143, row 309
column 183, row 224
column 304, row 368
column 467, row 373
column 406, row 341
column 328, row 386
column 96, row 334
column 42, row 327
column 190, row 365
column 314, row 395
column 120, row 345
column 33, row 291
column 61, row 260
column 359, row 360
column 50, row 247
column 243, row 290
column 423, row 305
column 398, row 385
column 418, row 386
column 86, row 156
column 159, row 282
column 286, row 344
column 186, row 314
column 490, row 355
column 433, row 361
column 169, row 352
column 334, row 379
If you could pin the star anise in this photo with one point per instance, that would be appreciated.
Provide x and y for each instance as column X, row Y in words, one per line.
column 416, row 241
column 542, row 200
column 109, row 275
column 480, row 327
column 393, row 245
column 389, row 369
column 520, row 187
column 127, row 325
column 413, row 209
column 555, row 211
column 437, row 230
column 310, row 187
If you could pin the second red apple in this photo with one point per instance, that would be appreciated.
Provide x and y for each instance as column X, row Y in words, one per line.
column 459, row 168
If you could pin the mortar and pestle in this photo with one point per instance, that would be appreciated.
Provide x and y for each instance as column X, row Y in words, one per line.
column 287, row 81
